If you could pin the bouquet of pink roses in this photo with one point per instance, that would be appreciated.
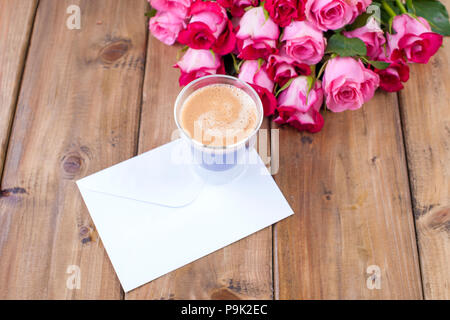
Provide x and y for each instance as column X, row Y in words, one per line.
column 301, row 54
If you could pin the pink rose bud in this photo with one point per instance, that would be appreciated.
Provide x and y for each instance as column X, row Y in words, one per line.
column 257, row 76
column 373, row 37
column 176, row 7
column 329, row 14
column 413, row 39
column 165, row 27
column 303, row 42
column 198, row 63
column 237, row 7
column 257, row 36
column 208, row 28
column 392, row 77
column 299, row 105
column 282, row 68
column 348, row 84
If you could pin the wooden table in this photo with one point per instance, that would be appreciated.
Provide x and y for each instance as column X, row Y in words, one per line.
column 371, row 192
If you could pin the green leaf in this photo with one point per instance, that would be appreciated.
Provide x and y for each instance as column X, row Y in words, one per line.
column 361, row 21
column 346, row 47
column 373, row 12
column 435, row 13
column 287, row 84
column 381, row 65
column 151, row 13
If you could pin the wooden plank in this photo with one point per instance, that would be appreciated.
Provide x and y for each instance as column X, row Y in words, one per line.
column 242, row 270
column 77, row 113
column 425, row 110
column 348, row 186
column 16, row 22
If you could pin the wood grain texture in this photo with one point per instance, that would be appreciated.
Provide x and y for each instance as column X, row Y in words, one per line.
column 16, row 22
column 77, row 113
column 242, row 270
column 425, row 107
column 348, row 186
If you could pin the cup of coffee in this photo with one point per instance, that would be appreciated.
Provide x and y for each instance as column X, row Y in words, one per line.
column 219, row 116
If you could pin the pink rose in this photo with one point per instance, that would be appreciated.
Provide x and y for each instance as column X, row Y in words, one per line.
column 299, row 106
column 257, row 36
column 303, row 42
column 208, row 28
column 237, row 7
column 348, row 84
column 392, row 78
column 359, row 6
column 329, row 14
column 257, row 76
column 373, row 37
column 413, row 39
column 284, row 11
column 281, row 68
column 226, row 42
column 176, row 7
column 299, row 96
column 198, row 63
column 252, row 72
column 254, row 49
column 267, row 98
column 166, row 26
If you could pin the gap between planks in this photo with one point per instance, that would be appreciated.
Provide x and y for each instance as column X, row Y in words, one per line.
column 17, row 90
column 411, row 195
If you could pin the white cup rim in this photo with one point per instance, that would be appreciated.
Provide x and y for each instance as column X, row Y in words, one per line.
column 232, row 146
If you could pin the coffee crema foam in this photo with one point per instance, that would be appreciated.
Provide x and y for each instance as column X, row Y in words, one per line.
column 219, row 115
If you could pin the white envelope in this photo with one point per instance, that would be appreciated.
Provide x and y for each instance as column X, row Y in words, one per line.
column 154, row 215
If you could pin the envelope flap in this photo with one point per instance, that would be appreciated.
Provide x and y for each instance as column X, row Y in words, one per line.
column 164, row 178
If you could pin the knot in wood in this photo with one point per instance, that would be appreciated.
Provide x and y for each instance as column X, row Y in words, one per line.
column 84, row 231
column 114, row 51
column 72, row 164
